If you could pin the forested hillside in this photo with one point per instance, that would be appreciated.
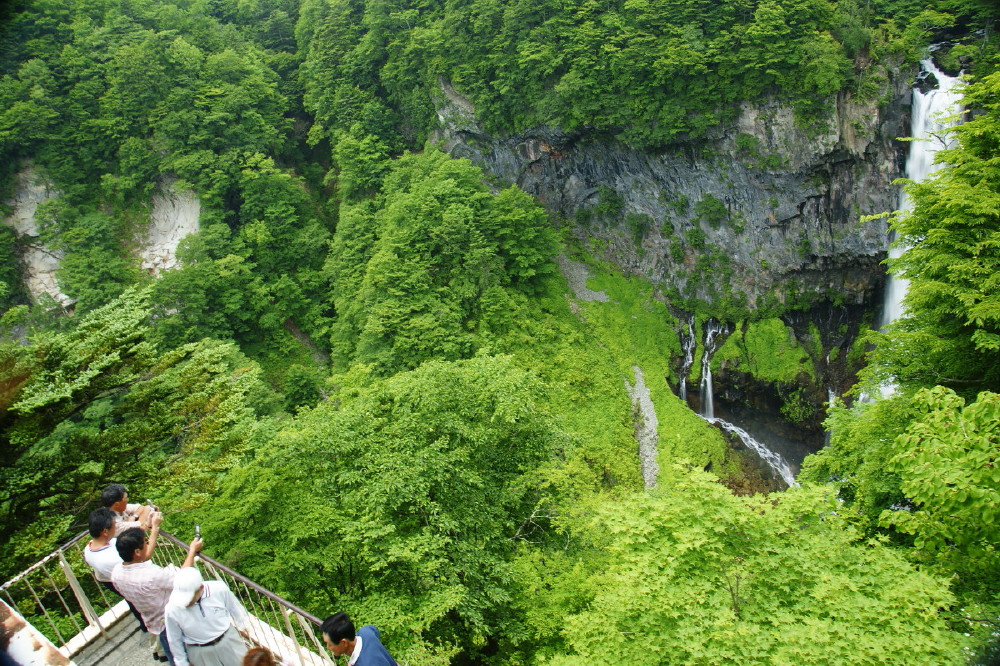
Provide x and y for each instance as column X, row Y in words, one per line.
column 383, row 381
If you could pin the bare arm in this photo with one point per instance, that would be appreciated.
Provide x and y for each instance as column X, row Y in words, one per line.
column 193, row 550
column 154, row 531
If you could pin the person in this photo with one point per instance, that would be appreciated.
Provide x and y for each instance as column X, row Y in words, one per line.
column 363, row 648
column 200, row 617
column 101, row 555
column 127, row 516
column 100, row 552
column 147, row 585
column 259, row 656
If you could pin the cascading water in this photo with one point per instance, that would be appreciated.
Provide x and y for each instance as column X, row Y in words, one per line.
column 712, row 330
column 934, row 113
column 688, row 343
column 773, row 459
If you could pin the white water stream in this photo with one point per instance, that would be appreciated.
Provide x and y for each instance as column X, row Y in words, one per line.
column 773, row 459
column 933, row 114
column 712, row 330
column 688, row 343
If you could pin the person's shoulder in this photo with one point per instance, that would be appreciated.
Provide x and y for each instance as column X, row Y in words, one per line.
column 217, row 587
column 369, row 629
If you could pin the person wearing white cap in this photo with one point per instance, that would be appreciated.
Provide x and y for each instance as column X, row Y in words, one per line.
column 200, row 616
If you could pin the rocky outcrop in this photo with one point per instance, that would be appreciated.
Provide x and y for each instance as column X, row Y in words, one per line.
column 768, row 208
column 174, row 216
column 646, row 425
column 39, row 263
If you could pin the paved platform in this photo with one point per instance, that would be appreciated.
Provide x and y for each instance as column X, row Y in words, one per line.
column 125, row 645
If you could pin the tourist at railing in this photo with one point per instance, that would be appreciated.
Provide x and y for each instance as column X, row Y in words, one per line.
column 144, row 583
column 102, row 556
column 363, row 648
column 127, row 516
column 200, row 617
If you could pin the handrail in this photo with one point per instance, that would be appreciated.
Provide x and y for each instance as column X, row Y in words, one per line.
column 62, row 598
column 246, row 581
column 40, row 563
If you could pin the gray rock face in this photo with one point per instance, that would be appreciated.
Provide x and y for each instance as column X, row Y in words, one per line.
column 39, row 263
column 768, row 209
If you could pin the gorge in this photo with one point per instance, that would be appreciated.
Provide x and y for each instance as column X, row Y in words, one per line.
column 774, row 211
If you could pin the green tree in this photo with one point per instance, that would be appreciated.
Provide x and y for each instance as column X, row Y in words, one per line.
column 435, row 242
column 399, row 498
column 948, row 464
column 692, row 574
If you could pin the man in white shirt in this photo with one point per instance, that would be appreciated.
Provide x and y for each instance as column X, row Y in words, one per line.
column 100, row 553
column 102, row 556
column 127, row 516
column 147, row 585
column 200, row 617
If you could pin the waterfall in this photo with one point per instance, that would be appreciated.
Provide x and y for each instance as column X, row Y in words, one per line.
column 688, row 343
column 929, row 129
column 773, row 460
column 712, row 330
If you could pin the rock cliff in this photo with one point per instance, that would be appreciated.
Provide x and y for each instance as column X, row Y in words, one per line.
column 173, row 215
column 767, row 209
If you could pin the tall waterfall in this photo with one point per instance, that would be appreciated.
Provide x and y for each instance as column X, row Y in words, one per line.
column 712, row 330
column 929, row 129
column 688, row 342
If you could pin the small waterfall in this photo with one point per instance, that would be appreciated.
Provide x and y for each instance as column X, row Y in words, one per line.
column 712, row 330
column 929, row 129
column 688, row 344
column 773, row 460
column 831, row 395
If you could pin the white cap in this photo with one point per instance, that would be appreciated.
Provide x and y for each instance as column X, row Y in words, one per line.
column 187, row 581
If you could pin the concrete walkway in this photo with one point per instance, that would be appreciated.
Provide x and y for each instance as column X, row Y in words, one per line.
column 125, row 646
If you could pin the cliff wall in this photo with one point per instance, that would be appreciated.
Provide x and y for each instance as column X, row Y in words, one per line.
column 767, row 209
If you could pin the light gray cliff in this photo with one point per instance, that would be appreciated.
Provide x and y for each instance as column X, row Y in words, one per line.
column 768, row 208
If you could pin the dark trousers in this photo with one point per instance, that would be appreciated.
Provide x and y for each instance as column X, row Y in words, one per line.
column 136, row 613
column 166, row 647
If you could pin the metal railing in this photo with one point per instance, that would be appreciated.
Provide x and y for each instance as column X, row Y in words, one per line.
column 61, row 598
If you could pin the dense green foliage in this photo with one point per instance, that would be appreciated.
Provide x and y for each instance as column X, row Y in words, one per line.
column 645, row 71
column 418, row 272
column 767, row 349
column 692, row 574
column 369, row 383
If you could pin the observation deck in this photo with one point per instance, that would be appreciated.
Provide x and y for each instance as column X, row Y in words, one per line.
column 55, row 612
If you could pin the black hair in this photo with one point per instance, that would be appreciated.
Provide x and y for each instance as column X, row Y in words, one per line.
column 113, row 494
column 338, row 627
column 100, row 520
column 130, row 541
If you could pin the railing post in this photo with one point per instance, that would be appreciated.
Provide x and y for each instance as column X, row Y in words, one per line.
column 286, row 614
column 81, row 596
column 311, row 635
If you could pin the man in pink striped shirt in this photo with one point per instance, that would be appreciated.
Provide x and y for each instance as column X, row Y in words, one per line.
column 145, row 584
